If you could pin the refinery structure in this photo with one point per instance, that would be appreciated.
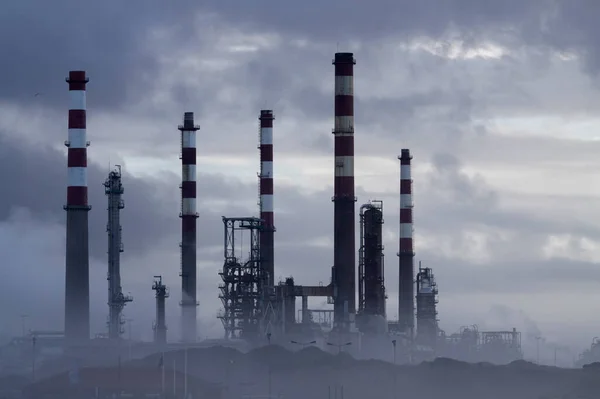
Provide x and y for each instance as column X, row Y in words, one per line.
column 256, row 309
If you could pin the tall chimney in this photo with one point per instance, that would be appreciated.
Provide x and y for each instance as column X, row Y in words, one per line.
column 344, row 268
column 188, row 216
column 267, row 249
column 77, row 273
column 406, row 253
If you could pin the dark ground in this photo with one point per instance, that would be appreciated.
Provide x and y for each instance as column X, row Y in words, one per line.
column 312, row 373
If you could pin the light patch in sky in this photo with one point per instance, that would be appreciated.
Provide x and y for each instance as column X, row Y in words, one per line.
column 248, row 43
column 318, row 242
column 572, row 247
column 535, row 179
column 583, row 128
column 470, row 245
column 456, row 49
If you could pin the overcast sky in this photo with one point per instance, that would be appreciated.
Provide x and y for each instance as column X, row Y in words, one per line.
column 497, row 100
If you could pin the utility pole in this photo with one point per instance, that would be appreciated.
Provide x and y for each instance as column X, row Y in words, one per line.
column 269, row 366
column 185, row 373
column 537, row 348
column 339, row 346
column 174, row 378
column 394, row 370
column 33, row 339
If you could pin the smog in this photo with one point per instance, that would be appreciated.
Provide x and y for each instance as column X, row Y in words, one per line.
column 281, row 335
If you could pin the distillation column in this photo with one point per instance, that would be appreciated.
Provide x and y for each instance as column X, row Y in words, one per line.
column 113, row 188
column 77, row 270
column 406, row 253
column 427, row 323
column 344, row 268
column 160, row 325
column 188, row 216
column 371, row 267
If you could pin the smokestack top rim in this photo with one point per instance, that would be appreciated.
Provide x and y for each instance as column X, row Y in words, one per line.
column 77, row 76
column 266, row 113
column 405, row 154
column 344, row 58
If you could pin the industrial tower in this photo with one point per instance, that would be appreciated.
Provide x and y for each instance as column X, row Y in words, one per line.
column 344, row 268
column 240, row 292
column 113, row 188
column 427, row 323
column 267, row 249
column 371, row 280
column 188, row 217
column 77, row 269
column 268, row 299
column 406, row 254
column 160, row 325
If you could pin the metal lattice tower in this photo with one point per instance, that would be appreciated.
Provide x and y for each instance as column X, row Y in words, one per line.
column 241, row 276
column 113, row 188
column 160, row 325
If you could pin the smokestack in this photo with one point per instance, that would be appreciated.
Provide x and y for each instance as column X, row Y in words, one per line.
column 344, row 268
column 406, row 253
column 77, row 273
column 267, row 249
column 188, row 216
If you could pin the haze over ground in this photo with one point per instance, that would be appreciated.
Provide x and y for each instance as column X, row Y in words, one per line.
column 497, row 100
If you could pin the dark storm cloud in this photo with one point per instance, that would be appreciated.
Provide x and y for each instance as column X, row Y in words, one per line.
column 343, row 20
column 38, row 176
column 39, row 181
column 41, row 44
column 111, row 41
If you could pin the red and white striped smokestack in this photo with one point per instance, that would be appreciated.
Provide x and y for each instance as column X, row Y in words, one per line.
column 77, row 144
column 77, row 283
column 266, row 195
column 344, row 268
column 406, row 252
column 188, row 215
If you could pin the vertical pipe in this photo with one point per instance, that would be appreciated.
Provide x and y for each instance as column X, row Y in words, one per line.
column 406, row 252
column 77, row 281
column 267, row 249
column 188, row 216
column 344, row 268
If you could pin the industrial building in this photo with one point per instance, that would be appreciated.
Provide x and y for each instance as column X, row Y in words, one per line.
column 257, row 309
